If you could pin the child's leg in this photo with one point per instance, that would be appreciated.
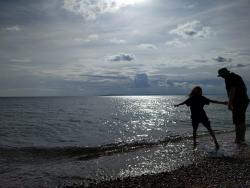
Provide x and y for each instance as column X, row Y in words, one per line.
column 195, row 127
column 208, row 126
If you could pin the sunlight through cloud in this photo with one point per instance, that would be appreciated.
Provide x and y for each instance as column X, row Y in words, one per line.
column 89, row 9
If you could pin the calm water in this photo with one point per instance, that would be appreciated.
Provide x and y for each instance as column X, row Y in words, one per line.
column 49, row 140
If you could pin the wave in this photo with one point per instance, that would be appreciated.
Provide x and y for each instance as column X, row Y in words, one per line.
column 88, row 153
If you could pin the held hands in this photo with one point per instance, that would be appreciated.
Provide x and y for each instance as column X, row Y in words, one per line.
column 176, row 105
column 225, row 102
column 230, row 105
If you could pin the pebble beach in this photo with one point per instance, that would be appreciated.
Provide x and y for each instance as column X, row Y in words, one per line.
column 227, row 172
column 214, row 170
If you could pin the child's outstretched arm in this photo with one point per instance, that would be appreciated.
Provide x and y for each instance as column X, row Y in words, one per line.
column 219, row 102
column 176, row 105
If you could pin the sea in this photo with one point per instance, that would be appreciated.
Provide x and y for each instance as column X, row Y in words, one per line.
column 60, row 141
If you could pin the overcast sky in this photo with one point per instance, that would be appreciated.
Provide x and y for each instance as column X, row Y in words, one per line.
column 121, row 47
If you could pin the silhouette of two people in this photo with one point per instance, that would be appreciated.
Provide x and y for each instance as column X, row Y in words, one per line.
column 237, row 102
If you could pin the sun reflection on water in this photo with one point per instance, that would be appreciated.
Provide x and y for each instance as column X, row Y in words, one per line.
column 150, row 116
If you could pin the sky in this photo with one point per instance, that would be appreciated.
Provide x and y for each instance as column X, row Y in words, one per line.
column 121, row 47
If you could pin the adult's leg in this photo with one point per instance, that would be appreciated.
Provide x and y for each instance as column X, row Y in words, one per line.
column 239, row 119
column 242, row 130
column 243, row 123
column 242, row 127
column 237, row 133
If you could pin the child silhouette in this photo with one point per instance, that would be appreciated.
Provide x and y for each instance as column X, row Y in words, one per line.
column 196, row 102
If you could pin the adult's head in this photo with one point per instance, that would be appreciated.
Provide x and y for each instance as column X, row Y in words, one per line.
column 223, row 72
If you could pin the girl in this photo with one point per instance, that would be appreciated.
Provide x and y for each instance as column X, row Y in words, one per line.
column 196, row 102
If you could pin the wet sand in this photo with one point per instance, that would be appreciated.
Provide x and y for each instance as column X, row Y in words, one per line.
column 211, row 172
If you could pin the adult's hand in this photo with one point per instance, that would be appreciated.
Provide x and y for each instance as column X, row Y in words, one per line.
column 230, row 106
column 225, row 102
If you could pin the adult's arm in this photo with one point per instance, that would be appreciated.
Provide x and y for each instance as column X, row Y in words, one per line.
column 231, row 98
column 218, row 102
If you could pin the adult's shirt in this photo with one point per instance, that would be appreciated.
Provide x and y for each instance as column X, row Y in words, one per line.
column 235, row 81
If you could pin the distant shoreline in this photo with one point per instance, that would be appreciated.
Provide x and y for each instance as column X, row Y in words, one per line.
column 185, row 94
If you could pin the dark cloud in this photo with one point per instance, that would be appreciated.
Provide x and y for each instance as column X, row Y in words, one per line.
column 222, row 59
column 121, row 57
column 141, row 81
column 201, row 60
column 239, row 65
column 190, row 33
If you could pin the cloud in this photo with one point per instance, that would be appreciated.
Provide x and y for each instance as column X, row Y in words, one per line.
column 239, row 52
column 88, row 39
column 222, row 59
column 119, row 77
column 201, row 60
column 192, row 29
column 175, row 43
column 141, row 80
column 146, row 46
column 89, row 9
column 20, row 60
column 121, row 57
column 13, row 28
column 239, row 65
column 244, row 53
column 183, row 84
column 91, row 38
column 117, row 41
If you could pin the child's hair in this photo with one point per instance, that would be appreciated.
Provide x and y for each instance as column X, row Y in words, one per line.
column 196, row 91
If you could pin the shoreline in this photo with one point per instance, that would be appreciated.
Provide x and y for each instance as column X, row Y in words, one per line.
column 227, row 167
column 215, row 171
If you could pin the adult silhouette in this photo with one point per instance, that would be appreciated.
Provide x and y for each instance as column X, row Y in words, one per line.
column 237, row 101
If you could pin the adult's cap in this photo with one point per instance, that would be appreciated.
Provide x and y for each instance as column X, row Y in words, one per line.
column 223, row 72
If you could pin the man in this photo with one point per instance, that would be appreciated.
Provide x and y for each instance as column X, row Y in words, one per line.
column 237, row 101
